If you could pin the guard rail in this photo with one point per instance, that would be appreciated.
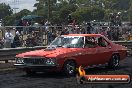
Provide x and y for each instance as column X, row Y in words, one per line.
column 9, row 53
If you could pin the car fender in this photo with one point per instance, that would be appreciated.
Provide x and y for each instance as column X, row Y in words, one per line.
column 70, row 58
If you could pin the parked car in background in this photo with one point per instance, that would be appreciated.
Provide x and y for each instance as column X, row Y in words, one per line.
column 68, row 52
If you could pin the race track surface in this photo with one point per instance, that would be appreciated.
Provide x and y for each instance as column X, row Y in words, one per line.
column 18, row 79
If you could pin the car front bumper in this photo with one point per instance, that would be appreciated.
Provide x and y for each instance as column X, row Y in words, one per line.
column 39, row 68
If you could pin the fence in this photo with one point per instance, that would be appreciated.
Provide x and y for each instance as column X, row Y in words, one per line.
column 43, row 35
column 37, row 36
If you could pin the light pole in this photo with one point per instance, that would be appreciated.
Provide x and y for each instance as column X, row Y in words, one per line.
column 15, row 13
column 15, row 8
column 49, row 10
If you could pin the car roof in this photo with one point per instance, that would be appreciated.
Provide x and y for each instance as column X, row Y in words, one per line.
column 84, row 35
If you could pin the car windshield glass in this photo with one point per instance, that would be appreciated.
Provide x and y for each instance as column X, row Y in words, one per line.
column 68, row 42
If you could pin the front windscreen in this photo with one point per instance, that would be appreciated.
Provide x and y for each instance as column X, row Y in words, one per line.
column 68, row 42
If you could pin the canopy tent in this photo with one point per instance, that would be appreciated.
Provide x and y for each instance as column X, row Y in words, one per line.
column 31, row 17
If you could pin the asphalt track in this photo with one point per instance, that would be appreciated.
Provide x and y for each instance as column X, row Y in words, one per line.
column 18, row 79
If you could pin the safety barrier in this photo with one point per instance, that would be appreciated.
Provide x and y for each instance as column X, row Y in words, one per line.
column 128, row 44
column 9, row 53
column 124, row 43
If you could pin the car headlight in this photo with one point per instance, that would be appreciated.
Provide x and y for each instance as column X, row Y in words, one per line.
column 50, row 61
column 20, row 60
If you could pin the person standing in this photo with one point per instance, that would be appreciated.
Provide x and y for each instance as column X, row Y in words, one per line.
column 47, row 25
column 1, row 43
column 89, row 28
column 16, row 41
column 49, row 36
column 8, row 39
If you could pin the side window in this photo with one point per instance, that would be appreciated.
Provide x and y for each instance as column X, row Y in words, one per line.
column 102, row 42
column 90, row 42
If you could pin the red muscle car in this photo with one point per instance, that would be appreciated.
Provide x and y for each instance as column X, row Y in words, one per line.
column 68, row 52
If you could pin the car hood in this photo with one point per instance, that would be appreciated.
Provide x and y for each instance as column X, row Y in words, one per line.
column 58, row 52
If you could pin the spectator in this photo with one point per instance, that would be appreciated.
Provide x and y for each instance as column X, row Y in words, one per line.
column 16, row 41
column 47, row 24
column 1, row 43
column 54, row 35
column 20, row 23
column 89, row 28
column 49, row 36
column 115, row 35
column 35, row 39
column 8, row 39
column 113, row 19
column 65, row 31
column 82, row 31
column 109, row 33
column 29, row 41
column 103, row 32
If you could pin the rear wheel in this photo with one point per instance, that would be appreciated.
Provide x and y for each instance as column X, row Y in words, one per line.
column 70, row 68
column 114, row 61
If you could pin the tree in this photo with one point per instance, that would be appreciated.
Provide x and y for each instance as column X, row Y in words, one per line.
column 65, row 11
column 9, row 20
column 14, row 18
column 5, row 10
column 22, row 13
column 130, row 12
column 88, row 14
column 45, row 7
column 82, row 10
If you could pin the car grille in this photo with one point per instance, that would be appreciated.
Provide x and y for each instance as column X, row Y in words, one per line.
column 34, row 60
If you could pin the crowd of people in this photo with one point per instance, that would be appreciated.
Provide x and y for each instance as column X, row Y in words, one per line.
column 11, row 41
column 115, row 19
column 114, row 33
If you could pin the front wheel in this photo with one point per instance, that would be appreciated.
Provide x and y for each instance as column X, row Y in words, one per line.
column 70, row 68
column 114, row 61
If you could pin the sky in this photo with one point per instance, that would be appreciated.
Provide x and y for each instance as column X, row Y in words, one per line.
column 20, row 4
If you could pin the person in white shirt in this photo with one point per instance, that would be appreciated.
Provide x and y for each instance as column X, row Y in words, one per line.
column 8, row 39
column 47, row 24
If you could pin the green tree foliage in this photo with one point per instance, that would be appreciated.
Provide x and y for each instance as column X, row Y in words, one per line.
column 130, row 12
column 22, row 13
column 5, row 10
column 14, row 18
column 81, row 10
column 9, row 20
column 65, row 11
column 88, row 14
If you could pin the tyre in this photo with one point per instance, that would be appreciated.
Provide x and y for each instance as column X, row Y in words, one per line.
column 114, row 61
column 70, row 68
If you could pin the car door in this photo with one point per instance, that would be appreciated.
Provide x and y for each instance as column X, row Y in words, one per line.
column 104, row 50
column 90, row 51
